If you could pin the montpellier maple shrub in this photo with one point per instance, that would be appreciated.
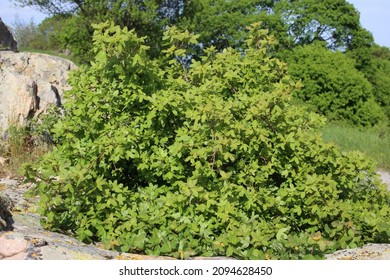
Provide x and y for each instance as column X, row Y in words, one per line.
column 184, row 158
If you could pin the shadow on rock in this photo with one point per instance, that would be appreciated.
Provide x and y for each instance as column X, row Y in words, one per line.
column 6, row 220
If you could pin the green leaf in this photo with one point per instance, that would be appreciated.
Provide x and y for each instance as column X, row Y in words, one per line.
column 229, row 251
column 281, row 234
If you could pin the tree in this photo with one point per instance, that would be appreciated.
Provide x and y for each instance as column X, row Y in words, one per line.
column 379, row 76
column 51, row 29
column 332, row 21
column 333, row 85
column 23, row 32
column 147, row 17
column 222, row 23
column 360, row 49
column 210, row 159
column 69, row 32
column 55, row 7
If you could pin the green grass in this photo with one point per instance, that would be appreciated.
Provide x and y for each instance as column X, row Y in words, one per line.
column 374, row 142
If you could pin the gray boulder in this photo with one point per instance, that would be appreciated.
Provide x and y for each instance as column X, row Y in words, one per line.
column 7, row 41
column 29, row 83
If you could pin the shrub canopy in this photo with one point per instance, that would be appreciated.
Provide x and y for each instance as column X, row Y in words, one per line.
column 167, row 157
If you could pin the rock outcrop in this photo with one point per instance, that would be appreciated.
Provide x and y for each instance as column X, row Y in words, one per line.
column 7, row 41
column 367, row 252
column 29, row 82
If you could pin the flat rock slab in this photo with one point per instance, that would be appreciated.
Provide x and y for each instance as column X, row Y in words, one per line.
column 29, row 241
column 367, row 252
column 11, row 247
column 38, row 244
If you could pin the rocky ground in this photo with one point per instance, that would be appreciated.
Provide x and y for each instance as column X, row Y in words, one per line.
column 23, row 238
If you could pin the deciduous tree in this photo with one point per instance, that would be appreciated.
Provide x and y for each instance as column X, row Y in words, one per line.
column 333, row 85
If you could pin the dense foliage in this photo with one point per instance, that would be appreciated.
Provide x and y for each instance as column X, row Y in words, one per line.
column 211, row 158
column 334, row 86
column 221, row 24
column 379, row 75
column 335, row 22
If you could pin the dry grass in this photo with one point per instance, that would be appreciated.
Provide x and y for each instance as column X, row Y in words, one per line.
column 18, row 147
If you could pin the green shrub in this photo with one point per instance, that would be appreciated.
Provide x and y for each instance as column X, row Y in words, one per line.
column 40, row 127
column 212, row 159
column 334, row 86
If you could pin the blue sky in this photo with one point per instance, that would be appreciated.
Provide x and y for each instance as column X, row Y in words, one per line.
column 9, row 11
column 374, row 16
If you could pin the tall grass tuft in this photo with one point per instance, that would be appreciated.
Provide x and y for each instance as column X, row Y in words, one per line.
column 374, row 142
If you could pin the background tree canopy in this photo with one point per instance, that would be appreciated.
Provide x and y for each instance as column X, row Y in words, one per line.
column 332, row 21
column 222, row 23
column 333, row 85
